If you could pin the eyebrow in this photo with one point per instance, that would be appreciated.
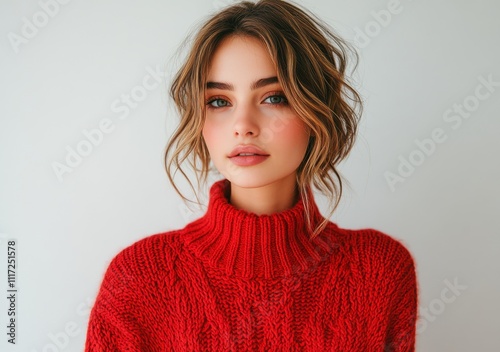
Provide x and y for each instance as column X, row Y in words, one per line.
column 255, row 85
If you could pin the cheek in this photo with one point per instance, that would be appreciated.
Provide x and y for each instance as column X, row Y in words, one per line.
column 208, row 135
column 212, row 136
column 295, row 135
column 293, row 143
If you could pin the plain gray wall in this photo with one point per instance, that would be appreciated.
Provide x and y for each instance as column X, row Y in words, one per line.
column 430, row 126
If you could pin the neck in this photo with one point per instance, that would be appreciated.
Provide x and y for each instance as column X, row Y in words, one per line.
column 265, row 200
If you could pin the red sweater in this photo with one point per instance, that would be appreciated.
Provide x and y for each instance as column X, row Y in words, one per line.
column 235, row 281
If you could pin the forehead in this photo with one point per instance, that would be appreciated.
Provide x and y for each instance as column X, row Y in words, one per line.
column 240, row 58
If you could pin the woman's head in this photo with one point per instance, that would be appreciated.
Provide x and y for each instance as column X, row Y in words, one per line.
column 310, row 64
column 246, row 107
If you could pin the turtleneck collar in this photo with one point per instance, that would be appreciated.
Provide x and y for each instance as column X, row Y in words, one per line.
column 244, row 244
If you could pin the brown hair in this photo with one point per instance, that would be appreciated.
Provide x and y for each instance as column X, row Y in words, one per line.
column 311, row 62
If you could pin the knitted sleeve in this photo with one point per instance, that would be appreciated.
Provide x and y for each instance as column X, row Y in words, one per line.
column 403, row 309
column 112, row 326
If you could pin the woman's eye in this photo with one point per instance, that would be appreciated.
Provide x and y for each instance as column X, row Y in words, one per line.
column 276, row 99
column 218, row 103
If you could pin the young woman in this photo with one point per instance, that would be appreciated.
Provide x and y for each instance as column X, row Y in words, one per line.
column 263, row 95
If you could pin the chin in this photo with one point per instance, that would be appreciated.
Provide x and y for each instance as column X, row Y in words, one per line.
column 246, row 182
column 255, row 177
column 252, row 181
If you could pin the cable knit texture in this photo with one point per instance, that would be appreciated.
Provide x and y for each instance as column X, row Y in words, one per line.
column 236, row 281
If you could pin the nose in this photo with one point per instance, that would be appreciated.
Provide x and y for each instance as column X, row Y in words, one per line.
column 245, row 121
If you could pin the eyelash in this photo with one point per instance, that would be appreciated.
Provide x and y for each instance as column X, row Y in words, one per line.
column 271, row 95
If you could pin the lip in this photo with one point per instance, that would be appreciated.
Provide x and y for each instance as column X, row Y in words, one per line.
column 247, row 149
column 248, row 160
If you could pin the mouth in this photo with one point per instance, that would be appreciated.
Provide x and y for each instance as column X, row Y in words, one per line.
column 248, row 159
column 247, row 154
column 247, row 150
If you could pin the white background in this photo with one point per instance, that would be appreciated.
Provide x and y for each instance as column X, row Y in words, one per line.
column 65, row 75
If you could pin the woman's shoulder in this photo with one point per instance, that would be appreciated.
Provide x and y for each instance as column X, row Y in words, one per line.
column 370, row 244
column 377, row 259
column 145, row 259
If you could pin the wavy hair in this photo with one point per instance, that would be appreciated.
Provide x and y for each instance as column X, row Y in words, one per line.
column 311, row 61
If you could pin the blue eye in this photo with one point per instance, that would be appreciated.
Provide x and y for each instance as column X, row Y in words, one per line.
column 276, row 99
column 218, row 103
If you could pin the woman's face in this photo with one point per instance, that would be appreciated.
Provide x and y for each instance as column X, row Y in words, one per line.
column 245, row 105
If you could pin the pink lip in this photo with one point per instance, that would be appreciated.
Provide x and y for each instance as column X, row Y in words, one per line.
column 247, row 149
column 248, row 160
